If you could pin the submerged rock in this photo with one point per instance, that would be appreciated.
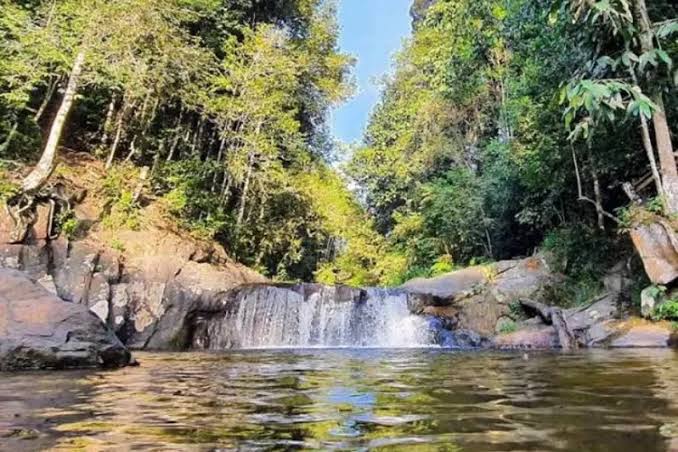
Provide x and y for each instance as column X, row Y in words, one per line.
column 40, row 331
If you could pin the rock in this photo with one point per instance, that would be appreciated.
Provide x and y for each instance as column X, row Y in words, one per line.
column 617, row 280
column 47, row 282
column 540, row 337
column 40, row 331
column 40, row 230
column 582, row 319
column 447, row 288
column 74, row 277
column 10, row 256
column 478, row 297
column 643, row 334
column 98, row 297
column 657, row 245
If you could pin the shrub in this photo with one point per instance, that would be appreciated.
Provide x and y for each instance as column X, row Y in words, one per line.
column 666, row 311
column 121, row 209
column 508, row 327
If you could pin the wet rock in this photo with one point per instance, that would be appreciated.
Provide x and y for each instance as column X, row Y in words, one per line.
column 637, row 334
column 657, row 244
column 40, row 331
column 540, row 337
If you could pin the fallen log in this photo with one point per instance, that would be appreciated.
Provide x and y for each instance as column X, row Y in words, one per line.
column 554, row 316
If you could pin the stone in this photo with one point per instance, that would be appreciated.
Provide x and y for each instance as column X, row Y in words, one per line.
column 35, row 260
column 644, row 334
column 47, row 282
column 10, row 256
column 99, row 296
column 617, row 280
column 40, row 331
column 478, row 297
column 450, row 286
column 6, row 225
column 540, row 337
column 74, row 277
column 657, row 245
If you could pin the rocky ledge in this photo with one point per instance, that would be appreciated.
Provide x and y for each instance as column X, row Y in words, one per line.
column 40, row 331
column 507, row 304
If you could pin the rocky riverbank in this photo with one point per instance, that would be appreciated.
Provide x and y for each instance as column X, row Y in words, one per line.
column 159, row 289
column 173, row 306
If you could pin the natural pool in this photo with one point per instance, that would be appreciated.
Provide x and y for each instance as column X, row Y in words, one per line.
column 351, row 399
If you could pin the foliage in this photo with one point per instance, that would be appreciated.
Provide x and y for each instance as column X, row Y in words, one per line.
column 120, row 207
column 666, row 311
column 225, row 102
column 465, row 159
column 508, row 327
column 7, row 187
column 466, row 154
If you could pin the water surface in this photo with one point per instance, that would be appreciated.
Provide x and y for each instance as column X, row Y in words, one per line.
column 351, row 399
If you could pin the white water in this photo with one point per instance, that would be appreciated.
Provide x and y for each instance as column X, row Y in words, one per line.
column 271, row 317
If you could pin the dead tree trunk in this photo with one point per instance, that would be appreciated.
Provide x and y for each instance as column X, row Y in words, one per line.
column 554, row 316
column 45, row 166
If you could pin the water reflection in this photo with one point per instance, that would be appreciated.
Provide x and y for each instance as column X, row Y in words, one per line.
column 351, row 399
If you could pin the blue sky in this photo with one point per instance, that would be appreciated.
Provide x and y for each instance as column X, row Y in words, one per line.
column 372, row 31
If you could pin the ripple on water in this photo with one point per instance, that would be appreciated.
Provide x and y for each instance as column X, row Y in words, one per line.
column 351, row 399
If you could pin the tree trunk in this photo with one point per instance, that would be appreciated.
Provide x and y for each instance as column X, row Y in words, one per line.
column 107, row 122
column 5, row 145
column 116, row 140
column 661, row 128
column 48, row 97
column 45, row 166
column 245, row 189
column 667, row 159
column 598, row 197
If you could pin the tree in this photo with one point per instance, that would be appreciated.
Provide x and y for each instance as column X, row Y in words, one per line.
column 93, row 43
column 629, row 77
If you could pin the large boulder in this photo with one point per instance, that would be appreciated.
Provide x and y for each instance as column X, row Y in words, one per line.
column 657, row 244
column 40, row 331
column 480, row 298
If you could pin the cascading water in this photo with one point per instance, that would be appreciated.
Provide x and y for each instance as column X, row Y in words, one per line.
column 318, row 316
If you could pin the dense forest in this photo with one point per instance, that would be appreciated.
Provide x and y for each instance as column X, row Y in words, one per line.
column 506, row 126
column 513, row 125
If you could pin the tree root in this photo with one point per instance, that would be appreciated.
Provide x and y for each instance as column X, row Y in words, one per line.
column 22, row 209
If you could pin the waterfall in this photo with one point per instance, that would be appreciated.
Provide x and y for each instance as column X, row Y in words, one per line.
column 310, row 315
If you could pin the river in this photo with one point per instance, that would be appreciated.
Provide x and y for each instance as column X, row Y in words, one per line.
column 351, row 399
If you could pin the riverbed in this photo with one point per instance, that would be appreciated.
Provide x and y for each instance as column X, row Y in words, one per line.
column 351, row 399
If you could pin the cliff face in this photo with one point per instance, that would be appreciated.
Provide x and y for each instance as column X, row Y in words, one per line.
column 146, row 284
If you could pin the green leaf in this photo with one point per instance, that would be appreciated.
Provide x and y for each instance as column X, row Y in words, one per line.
column 666, row 29
column 665, row 57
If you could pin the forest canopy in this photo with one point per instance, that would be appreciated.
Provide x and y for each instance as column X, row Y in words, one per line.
column 505, row 126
